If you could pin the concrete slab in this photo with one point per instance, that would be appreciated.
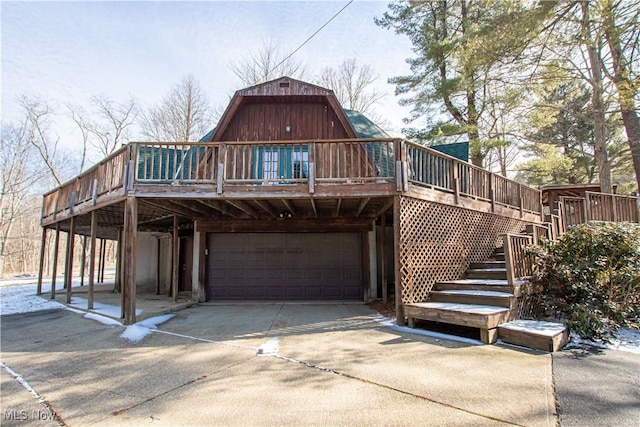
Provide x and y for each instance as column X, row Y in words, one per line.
column 597, row 387
column 333, row 364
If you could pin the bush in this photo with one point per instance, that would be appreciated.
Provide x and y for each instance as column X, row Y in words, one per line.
column 591, row 277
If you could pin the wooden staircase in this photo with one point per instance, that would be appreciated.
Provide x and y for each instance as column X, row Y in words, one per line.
column 484, row 299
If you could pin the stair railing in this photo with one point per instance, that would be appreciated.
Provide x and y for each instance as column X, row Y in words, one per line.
column 517, row 261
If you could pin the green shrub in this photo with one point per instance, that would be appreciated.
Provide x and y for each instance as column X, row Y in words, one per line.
column 591, row 277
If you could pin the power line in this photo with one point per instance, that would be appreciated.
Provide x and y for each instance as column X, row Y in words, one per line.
column 312, row 35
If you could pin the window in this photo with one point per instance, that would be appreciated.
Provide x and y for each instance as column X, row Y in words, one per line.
column 270, row 165
column 300, row 164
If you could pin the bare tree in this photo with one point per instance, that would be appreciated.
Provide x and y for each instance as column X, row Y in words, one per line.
column 266, row 63
column 18, row 176
column 113, row 124
column 184, row 114
column 352, row 84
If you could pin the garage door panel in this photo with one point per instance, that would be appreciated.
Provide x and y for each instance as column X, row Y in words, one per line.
column 284, row 266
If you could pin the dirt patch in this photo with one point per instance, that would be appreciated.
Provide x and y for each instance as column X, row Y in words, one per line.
column 387, row 309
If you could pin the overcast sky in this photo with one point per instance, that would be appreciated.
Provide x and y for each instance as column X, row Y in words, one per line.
column 69, row 51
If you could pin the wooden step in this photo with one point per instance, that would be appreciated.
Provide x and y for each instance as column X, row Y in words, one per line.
column 487, row 264
column 485, row 317
column 469, row 296
column 486, row 273
column 498, row 257
column 547, row 336
column 478, row 284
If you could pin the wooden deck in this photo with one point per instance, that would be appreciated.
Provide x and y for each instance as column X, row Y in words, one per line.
column 355, row 178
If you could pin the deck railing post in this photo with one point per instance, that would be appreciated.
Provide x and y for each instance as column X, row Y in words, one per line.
column 492, row 195
column 587, row 207
column 614, row 210
column 520, row 200
column 220, row 177
column 455, row 179
column 508, row 258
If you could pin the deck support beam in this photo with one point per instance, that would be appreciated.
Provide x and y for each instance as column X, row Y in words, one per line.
column 383, row 257
column 83, row 259
column 397, row 265
column 92, row 258
column 54, row 270
column 175, row 270
column 68, row 274
column 42, row 256
column 130, row 233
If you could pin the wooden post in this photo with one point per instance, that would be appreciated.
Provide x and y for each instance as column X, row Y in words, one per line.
column 54, row 271
column 455, row 180
column 614, row 210
column 202, row 263
column 103, row 251
column 158, row 263
column 397, row 264
column 520, row 200
column 42, row 256
column 175, row 259
column 508, row 259
column 71, row 238
column 587, row 207
column 383, row 258
column 129, row 259
column 117, row 280
column 492, row 195
column 366, row 266
column 82, row 260
column 92, row 257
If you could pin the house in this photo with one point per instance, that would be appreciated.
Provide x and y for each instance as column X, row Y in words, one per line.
column 290, row 197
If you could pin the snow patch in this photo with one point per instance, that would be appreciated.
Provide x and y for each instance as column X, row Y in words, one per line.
column 23, row 299
column 628, row 340
column 538, row 327
column 391, row 323
column 269, row 348
column 138, row 331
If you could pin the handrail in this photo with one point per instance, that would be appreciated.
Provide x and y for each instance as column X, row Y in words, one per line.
column 517, row 262
column 433, row 169
column 594, row 206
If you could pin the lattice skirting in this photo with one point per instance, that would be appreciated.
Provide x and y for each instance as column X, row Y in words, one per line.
column 438, row 242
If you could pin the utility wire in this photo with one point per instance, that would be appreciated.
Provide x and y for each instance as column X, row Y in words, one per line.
column 312, row 35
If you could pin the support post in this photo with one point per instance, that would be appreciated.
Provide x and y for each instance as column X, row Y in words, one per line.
column 103, row 251
column 92, row 258
column 42, row 256
column 117, row 280
column 492, row 192
column 158, row 262
column 175, row 259
column 197, row 281
column 129, row 259
column 83, row 259
column 397, row 271
column 68, row 275
column 54, row 270
column 366, row 265
column 383, row 258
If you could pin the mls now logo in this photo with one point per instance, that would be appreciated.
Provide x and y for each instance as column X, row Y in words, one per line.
column 15, row 415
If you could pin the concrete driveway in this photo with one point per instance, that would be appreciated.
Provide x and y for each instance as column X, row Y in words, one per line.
column 266, row 364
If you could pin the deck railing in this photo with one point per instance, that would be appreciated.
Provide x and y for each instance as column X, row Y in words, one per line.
column 432, row 169
column 105, row 177
column 516, row 259
column 599, row 207
column 306, row 162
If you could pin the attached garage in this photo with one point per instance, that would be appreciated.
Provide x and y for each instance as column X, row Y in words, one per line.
column 284, row 266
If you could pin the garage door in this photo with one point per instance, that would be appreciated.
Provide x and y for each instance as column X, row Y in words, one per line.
column 284, row 266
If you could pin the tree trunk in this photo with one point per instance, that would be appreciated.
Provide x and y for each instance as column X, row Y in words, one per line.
column 599, row 135
column 626, row 92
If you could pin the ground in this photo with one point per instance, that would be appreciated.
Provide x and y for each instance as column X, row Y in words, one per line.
column 292, row 364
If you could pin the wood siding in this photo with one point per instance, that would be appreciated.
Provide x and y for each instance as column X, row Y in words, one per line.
column 269, row 121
